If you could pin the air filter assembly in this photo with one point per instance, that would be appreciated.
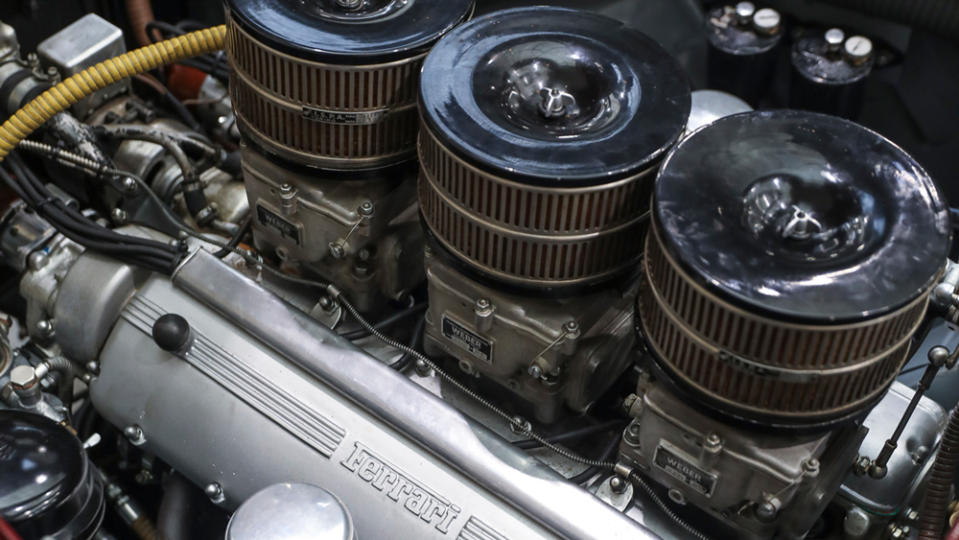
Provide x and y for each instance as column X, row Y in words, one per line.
column 542, row 131
column 333, row 83
column 788, row 264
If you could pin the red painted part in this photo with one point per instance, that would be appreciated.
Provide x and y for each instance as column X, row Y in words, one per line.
column 184, row 81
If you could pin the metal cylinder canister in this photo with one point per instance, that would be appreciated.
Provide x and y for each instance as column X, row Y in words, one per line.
column 743, row 42
column 829, row 72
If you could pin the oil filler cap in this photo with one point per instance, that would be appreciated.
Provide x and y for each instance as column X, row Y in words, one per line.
column 171, row 332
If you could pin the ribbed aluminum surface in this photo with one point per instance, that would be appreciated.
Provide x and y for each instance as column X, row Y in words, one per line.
column 322, row 114
column 530, row 235
column 755, row 365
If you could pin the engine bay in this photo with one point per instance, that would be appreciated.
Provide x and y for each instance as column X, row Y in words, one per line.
column 479, row 269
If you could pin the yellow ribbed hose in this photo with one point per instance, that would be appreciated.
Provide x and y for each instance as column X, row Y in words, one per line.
column 62, row 96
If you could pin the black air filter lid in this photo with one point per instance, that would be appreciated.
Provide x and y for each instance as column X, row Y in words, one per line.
column 553, row 96
column 333, row 31
column 42, row 468
column 802, row 215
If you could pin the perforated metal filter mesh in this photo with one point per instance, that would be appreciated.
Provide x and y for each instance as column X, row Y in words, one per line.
column 528, row 234
column 276, row 98
column 757, row 365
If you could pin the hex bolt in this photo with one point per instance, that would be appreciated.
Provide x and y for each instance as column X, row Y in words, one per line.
column 366, row 209
column 856, row 523
column 713, row 441
column 134, row 434
column 24, row 381
column 810, row 467
column 214, row 491
column 618, row 484
column 483, row 310
column 631, row 434
column 571, row 328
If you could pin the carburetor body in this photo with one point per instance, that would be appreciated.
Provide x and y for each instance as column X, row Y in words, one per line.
column 327, row 107
column 533, row 209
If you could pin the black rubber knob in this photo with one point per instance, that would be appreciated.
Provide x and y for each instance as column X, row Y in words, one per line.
column 171, row 332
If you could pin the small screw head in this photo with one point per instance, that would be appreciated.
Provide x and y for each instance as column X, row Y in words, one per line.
column 286, row 188
column 810, row 466
column 767, row 21
column 535, row 371
column 93, row 367
column 857, row 49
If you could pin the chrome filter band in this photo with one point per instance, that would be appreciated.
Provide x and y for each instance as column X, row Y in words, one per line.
column 526, row 234
column 753, row 365
column 323, row 114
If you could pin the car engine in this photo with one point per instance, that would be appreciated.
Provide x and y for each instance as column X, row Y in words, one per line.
column 479, row 269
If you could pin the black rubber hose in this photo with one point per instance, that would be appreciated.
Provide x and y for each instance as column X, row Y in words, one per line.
column 178, row 502
column 571, row 435
column 415, row 343
column 387, row 322
column 235, row 240
column 932, row 516
column 594, row 469
column 939, row 16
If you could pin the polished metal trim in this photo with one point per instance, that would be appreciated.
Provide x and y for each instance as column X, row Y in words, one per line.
column 520, row 480
column 245, row 382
